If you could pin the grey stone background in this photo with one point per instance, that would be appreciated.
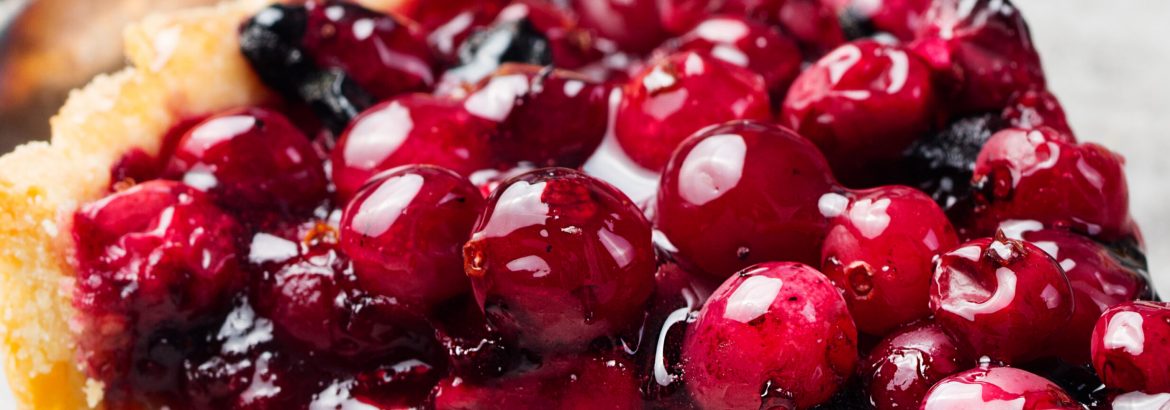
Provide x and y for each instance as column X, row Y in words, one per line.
column 1109, row 63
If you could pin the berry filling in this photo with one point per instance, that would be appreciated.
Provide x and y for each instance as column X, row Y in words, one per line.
column 623, row 204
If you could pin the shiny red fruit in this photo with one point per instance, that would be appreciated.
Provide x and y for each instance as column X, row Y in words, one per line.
column 405, row 232
column 386, row 55
column 1001, row 298
column 251, row 158
column 880, row 250
column 997, row 388
column 1131, row 347
column 157, row 252
column 744, row 193
column 812, row 23
column 633, row 24
column 748, row 44
column 411, row 129
column 1039, row 175
column 901, row 18
column 1099, row 279
column 547, row 117
column 903, row 366
column 775, row 335
column 679, row 95
column 558, row 259
column 1033, row 109
column 984, row 49
column 863, row 104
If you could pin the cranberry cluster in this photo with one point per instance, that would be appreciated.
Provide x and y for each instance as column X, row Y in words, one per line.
column 822, row 204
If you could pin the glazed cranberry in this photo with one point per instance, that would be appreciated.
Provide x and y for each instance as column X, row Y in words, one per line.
column 904, row 365
column 251, row 158
column 863, row 104
column 159, row 252
column 1131, row 347
column 1039, row 175
column 879, row 251
column 487, row 180
column 449, row 22
column 681, row 16
column 743, row 193
column 547, row 117
column 813, row 24
column 794, row 342
column 997, row 388
column 749, row 44
column 572, row 383
column 308, row 297
column 1000, row 297
column 1033, row 109
column 405, row 232
column 900, row 18
column 984, row 48
column 558, row 259
column 633, row 24
column 411, row 129
column 1100, row 279
column 680, row 94
column 941, row 164
column 385, row 55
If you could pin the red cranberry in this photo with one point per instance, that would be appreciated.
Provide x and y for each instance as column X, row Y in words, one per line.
column 904, row 365
column 681, row 94
column 572, row 383
column 997, row 388
column 158, row 252
column 1039, row 175
column 547, row 117
column 1000, row 297
column 984, row 48
column 879, row 251
column 487, row 180
column 448, row 22
column 1131, row 347
column 813, row 24
column 307, row 296
column 405, row 232
column 558, row 259
column 794, row 343
column 633, row 24
column 749, row 44
column 1099, row 280
column 251, row 158
column 680, row 16
column 744, row 193
column 863, row 104
column 1033, row 109
column 385, row 55
column 412, row 129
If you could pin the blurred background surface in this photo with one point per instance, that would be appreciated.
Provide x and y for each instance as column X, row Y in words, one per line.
column 1107, row 61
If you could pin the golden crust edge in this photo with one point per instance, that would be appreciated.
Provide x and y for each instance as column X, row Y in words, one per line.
column 183, row 64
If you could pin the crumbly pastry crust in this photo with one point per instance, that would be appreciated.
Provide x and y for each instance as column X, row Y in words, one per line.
column 182, row 65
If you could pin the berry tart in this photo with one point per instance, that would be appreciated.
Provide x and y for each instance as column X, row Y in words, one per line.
column 603, row 204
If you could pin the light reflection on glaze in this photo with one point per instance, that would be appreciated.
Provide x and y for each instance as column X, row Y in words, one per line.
column 870, row 217
column 377, row 135
column 378, row 212
column 619, row 248
column 712, row 168
column 531, row 263
column 964, row 293
column 1125, row 332
column 495, row 100
column 1142, row 401
column 752, row 298
column 832, row 204
column 524, row 198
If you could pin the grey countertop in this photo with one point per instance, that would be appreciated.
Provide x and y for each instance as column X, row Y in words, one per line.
column 1109, row 63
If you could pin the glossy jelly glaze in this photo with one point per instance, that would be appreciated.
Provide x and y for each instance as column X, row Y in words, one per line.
column 580, row 204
